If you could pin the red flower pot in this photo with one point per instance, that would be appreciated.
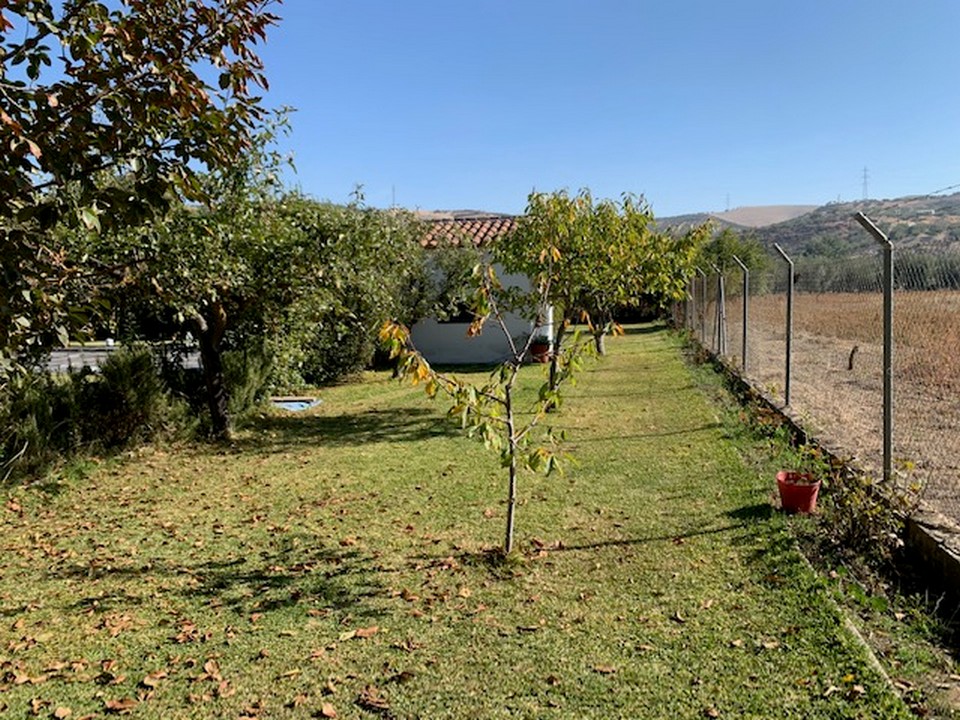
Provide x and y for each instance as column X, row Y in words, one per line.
column 798, row 491
column 540, row 352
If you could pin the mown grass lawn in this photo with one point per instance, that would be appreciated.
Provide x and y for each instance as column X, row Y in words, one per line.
column 336, row 564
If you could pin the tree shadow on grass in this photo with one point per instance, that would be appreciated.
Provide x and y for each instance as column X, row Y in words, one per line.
column 282, row 432
column 651, row 329
column 320, row 578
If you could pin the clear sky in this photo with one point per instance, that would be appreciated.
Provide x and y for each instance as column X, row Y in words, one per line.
column 696, row 104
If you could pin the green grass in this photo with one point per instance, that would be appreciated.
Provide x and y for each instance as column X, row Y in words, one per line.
column 340, row 561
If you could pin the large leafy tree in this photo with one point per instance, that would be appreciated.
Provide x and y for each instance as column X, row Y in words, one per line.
column 258, row 269
column 150, row 91
column 604, row 255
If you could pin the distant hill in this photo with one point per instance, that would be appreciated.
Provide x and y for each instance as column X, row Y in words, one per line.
column 741, row 217
column 916, row 223
column 929, row 222
column 457, row 214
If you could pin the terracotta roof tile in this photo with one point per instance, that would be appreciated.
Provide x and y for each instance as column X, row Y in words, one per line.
column 465, row 231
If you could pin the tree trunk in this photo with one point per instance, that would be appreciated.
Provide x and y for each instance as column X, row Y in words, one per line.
column 599, row 341
column 512, row 489
column 554, row 356
column 209, row 335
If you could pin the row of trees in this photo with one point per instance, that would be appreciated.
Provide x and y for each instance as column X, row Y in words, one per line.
column 139, row 193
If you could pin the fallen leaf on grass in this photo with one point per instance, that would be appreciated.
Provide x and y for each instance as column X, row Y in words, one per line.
column 153, row 679
column 711, row 712
column 604, row 669
column 327, row 710
column 212, row 669
column 62, row 713
column 361, row 633
column 121, row 706
column 298, row 701
column 404, row 676
column 37, row 705
column 553, row 680
column 371, row 698
column 677, row 617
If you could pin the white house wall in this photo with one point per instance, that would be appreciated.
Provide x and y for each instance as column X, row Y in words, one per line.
column 447, row 343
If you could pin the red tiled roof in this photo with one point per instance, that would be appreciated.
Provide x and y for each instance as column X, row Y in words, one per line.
column 465, row 231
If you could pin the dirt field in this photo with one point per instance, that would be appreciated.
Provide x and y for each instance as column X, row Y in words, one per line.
column 844, row 404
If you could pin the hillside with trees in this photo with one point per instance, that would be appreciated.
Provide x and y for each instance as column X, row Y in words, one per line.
column 918, row 223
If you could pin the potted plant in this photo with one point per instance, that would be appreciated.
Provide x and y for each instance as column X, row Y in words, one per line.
column 798, row 491
column 540, row 348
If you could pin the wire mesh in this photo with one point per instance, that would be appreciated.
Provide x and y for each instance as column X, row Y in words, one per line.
column 837, row 354
column 836, row 349
column 926, row 373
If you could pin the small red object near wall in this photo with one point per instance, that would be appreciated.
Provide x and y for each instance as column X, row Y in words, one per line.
column 798, row 491
column 540, row 352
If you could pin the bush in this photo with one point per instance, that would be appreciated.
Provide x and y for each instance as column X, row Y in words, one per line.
column 246, row 374
column 48, row 417
column 37, row 413
column 124, row 403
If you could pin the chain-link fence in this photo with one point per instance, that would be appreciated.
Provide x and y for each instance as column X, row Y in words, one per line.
column 821, row 351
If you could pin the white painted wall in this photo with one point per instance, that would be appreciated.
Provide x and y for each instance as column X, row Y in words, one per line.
column 448, row 344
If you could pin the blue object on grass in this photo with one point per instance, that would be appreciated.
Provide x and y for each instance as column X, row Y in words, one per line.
column 295, row 404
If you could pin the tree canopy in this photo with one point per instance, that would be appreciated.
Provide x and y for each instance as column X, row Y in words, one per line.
column 148, row 92
column 605, row 254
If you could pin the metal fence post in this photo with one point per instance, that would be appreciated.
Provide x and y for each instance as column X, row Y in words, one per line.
column 887, row 247
column 789, row 328
column 746, row 314
column 703, row 306
column 720, row 326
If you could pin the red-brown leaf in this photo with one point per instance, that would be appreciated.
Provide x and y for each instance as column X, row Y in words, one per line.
column 121, row 706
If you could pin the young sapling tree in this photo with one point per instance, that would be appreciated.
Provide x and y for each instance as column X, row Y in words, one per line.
column 489, row 410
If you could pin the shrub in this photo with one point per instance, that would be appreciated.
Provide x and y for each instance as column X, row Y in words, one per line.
column 125, row 402
column 47, row 417
column 37, row 414
column 246, row 374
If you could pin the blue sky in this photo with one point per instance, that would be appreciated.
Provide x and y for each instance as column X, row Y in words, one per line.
column 453, row 104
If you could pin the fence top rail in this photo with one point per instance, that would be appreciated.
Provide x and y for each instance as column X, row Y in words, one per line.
column 876, row 232
column 783, row 254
